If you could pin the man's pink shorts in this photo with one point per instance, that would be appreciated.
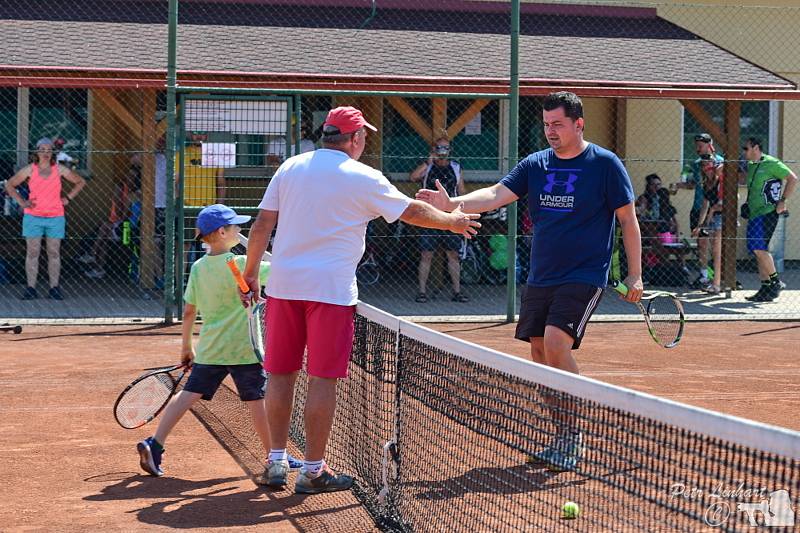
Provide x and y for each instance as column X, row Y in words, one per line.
column 326, row 329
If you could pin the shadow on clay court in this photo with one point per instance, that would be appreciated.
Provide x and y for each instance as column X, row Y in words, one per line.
column 773, row 330
column 185, row 504
column 519, row 479
column 474, row 326
column 143, row 331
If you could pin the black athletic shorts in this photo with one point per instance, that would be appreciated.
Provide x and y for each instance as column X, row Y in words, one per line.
column 694, row 218
column 250, row 380
column 567, row 307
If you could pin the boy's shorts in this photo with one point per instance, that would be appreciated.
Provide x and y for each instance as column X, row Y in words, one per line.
column 567, row 307
column 760, row 230
column 326, row 329
column 250, row 380
column 50, row 227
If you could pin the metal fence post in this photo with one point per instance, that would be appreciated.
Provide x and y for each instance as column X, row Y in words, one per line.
column 169, row 223
column 513, row 140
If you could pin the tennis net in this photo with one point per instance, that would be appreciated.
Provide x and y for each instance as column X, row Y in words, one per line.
column 441, row 435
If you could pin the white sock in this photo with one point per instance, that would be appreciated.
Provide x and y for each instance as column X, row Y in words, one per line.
column 313, row 468
column 277, row 455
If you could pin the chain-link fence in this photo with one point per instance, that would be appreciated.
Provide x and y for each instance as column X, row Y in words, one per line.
column 675, row 89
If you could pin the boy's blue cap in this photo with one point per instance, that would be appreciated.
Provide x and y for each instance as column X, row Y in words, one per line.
column 215, row 216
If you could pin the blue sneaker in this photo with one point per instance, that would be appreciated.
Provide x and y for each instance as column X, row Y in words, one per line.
column 294, row 462
column 569, row 450
column 543, row 455
column 150, row 456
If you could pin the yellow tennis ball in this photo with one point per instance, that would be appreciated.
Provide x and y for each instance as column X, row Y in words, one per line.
column 571, row 510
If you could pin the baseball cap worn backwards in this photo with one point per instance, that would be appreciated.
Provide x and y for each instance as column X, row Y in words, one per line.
column 346, row 119
column 215, row 216
column 703, row 137
column 43, row 141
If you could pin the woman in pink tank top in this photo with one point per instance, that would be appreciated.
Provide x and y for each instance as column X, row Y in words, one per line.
column 44, row 214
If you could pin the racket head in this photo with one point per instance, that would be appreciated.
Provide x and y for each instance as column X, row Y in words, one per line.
column 146, row 397
column 665, row 319
column 367, row 273
column 255, row 322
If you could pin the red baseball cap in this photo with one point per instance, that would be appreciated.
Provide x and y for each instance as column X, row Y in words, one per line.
column 347, row 120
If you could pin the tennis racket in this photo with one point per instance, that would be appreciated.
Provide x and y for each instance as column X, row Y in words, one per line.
column 663, row 314
column 255, row 312
column 146, row 396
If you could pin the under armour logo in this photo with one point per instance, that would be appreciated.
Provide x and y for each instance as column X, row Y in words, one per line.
column 567, row 184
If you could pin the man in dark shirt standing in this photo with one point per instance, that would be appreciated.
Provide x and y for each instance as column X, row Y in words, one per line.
column 439, row 167
column 575, row 191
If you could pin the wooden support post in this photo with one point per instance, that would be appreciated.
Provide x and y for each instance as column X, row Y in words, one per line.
column 730, row 204
column 372, row 108
column 439, row 118
column 147, row 250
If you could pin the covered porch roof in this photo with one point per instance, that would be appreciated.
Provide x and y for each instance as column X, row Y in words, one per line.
column 457, row 46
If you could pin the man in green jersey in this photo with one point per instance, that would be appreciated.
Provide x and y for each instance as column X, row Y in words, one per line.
column 769, row 184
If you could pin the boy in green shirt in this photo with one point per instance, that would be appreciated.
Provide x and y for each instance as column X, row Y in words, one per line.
column 224, row 346
column 769, row 184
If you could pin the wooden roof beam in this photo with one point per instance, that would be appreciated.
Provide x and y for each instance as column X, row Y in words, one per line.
column 128, row 120
column 411, row 116
column 705, row 120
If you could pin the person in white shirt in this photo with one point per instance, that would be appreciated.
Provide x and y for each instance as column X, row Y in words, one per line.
column 276, row 148
column 324, row 200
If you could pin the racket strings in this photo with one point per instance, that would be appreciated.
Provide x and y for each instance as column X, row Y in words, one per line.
column 665, row 318
column 256, row 327
column 144, row 399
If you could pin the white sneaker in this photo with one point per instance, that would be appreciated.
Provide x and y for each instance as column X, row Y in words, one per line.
column 86, row 259
column 95, row 273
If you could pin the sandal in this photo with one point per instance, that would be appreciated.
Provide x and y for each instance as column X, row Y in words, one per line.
column 421, row 298
column 460, row 297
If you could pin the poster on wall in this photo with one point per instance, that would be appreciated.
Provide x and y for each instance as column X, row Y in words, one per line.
column 473, row 127
column 219, row 155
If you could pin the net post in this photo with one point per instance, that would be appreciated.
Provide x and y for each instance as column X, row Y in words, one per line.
column 513, row 140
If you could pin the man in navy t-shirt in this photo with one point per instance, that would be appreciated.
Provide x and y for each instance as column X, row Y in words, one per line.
column 575, row 191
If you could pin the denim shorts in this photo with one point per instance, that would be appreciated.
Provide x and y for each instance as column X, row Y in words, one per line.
column 250, row 380
column 715, row 224
column 50, row 227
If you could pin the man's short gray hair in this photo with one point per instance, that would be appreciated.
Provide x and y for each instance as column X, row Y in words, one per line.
column 332, row 137
column 337, row 139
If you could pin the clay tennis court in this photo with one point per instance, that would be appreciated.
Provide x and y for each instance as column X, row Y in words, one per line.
column 67, row 466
